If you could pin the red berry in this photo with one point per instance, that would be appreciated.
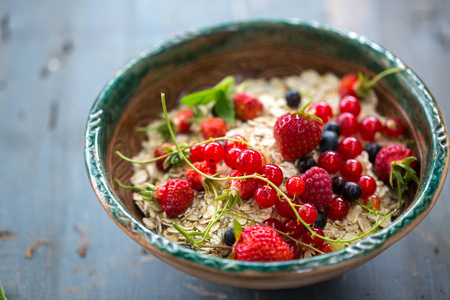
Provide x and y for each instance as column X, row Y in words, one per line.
column 350, row 104
column 316, row 241
column 174, row 197
column 247, row 107
column 308, row 213
column 231, row 156
column 296, row 134
column 393, row 127
column 261, row 243
column 214, row 152
column 368, row 186
column 284, row 209
column 295, row 186
column 348, row 123
column 322, row 110
column 246, row 188
column 197, row 153
column 338, row 209
column 389, row 154
column 296, row 248
column 232, row 144
column 372, row 201
column 266, row 196
column 351, row 170
column 349, row 147
column 181, row 120
column 195, row 179
column 318, row 189
column 330, row 161
column 213, row 128
column 249, row 161
column 274, row 223
column 368, row 127
column 347, row 85
column 325, row 248
column 159, row 152
column 273, row 173
column 293, row 227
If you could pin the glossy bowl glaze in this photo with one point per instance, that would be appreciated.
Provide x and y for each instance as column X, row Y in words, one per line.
column 199, row 59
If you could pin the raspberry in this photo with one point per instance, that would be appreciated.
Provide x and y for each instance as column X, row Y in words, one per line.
column 318, row 188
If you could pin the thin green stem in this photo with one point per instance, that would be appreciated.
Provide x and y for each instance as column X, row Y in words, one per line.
column 379, row 76
column 129, row 187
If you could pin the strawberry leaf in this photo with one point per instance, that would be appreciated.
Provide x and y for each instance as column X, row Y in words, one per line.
column 237, row 230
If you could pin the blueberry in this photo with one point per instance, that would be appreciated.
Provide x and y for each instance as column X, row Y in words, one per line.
column 372, row 149
column 329, row 141
column 338, row 185
column 321, row 220
column 293, row 98
column 305, row 163
column 351, row 191
column 332, row 126
column 213, row 111
column 228, row 238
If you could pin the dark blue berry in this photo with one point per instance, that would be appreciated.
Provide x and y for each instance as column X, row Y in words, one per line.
column 293, row 98
column 228, row 238
column 329, row 141
column 332, row 126
column 305, row 163
column 321, row 220
column 351, row 191
column 338, row 184
column 372, row 149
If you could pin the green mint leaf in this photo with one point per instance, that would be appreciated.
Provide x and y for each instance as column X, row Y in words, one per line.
column 224, row 108
column 208, row 95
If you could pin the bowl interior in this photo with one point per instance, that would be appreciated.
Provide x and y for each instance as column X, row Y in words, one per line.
column 198, row 60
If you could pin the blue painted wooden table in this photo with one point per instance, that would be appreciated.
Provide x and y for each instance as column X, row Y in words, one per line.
column 55, row 56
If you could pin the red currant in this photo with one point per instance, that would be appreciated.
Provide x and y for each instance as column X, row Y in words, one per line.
column 266, row 196
column 330, row 161
column 295, row 185
column 214, row 152
column 372, row 201
column 368, row 186
column 338, row 209
column 322, row 110
column 351, row 170
column 273, row 173
column 197, row 153
column 249, row 161
column 393, row 127
column 284, row 209
column 348, row 123
column 325, row 248
column 350, row 104
column 308, row 213
column 316, row 241
column 369, row 127
column 296, row 248
column 232, row 144
column 349, row 147
column 274, row 223
column 293, row 227
column 347, row 85
column 231, row 156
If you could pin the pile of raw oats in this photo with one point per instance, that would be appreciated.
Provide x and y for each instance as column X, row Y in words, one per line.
column 259, row 133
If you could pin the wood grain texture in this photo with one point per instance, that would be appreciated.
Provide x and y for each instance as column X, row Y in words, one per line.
column 55, row 57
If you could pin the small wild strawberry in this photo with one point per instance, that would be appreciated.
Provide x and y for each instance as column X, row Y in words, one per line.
column 160, row 151
column 213, row 128
column 247, row 107
column 182, row 120
column 196, row 180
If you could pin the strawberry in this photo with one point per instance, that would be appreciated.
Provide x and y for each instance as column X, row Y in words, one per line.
column 297, row 134
column 197, row 181
column 318, row 187
column 395, row 164
column 160, row 151
column 213, row 128
column 247, row 107
column 182, row 120
column 261, row 243
column 245, row 188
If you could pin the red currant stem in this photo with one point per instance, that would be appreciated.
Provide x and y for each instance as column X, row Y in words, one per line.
column 144, row 161
column 276, row 230
column 371, row 211
column 379, row 76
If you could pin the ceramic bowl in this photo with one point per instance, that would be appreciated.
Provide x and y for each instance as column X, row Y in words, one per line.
column 199, row 59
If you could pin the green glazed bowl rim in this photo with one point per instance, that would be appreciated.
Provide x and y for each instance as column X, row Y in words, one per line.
column 95, row 156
